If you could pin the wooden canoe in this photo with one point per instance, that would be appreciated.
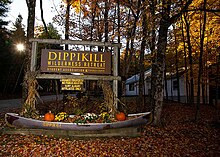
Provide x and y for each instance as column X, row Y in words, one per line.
column 13, row 119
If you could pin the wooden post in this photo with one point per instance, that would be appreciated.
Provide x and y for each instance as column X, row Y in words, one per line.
column 33, row 56
column 115, row 73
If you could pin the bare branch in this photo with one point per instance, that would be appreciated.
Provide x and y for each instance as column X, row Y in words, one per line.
column 176, row 16
column 206, row 10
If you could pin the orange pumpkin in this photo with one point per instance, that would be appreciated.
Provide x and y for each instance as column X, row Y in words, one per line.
column 49, row 116
column 120, row 116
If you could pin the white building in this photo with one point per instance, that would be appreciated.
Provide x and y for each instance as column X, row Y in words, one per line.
column 132, row 86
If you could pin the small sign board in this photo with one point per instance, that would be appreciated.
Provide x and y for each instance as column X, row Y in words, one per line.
column 72, row 84
column 62, row 61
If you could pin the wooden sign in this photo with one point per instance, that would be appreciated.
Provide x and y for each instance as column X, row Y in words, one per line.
column 60, row 61
column 72, row 84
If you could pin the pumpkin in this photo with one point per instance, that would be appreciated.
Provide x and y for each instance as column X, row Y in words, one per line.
column 49, row 116
column 120, row 116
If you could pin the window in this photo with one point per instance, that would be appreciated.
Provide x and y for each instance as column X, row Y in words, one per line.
column 131, row 87
column 175, row 85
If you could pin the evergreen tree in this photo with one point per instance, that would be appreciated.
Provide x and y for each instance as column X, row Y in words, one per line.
column 3, row 10
column 52, row 32
column 5, row 44
column 18, row 34
column 16, row 70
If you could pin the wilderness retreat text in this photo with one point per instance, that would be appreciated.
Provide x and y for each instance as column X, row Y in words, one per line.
column 60, row 61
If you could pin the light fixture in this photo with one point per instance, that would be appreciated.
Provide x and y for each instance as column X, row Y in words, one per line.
column 20, row 47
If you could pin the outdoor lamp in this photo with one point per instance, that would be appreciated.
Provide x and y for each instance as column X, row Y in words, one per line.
column 20, row 47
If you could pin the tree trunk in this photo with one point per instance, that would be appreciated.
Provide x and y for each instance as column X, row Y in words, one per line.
column 131, row 35
column 119, row 41
column 106, row 20
column 42, row 18
column 126, row 52
column 171, row 88
column 185, row 63
column 67, row 28
column 201, row 61
column 30, row 30
column 141, row 105
column 177, row 70
column 159, row 66
column 159, row 70
column 27, row 86
column 131, row 49
column 190, row 60
column 67, row 22
column 165, row 82
column 152, row 44
column 93, row 23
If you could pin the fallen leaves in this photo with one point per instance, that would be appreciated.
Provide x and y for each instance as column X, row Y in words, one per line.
column 178, row 136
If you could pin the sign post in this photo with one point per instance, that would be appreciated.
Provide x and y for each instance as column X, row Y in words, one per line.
column 59, row 64
column 115, row 73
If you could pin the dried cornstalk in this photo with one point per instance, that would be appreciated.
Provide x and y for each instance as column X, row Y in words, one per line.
column 108, row 97
column 29, row 106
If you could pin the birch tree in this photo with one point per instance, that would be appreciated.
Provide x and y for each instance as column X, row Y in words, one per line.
column 167, row 17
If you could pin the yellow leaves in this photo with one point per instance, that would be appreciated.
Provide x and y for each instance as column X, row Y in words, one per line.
column 180, row 47
column 195, row 19
column 76, row 4
column 197, row 3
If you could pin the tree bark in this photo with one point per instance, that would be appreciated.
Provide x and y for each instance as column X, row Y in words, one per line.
column 152, row 43
column 191, row 92
column 159, row 65
column 159, row 71
column 119, row 41
column 143, row 46
column 106, row 20
column 30, row 34
column 185, row 63
column 42, row 18
column 131, row 34
column 67, row 22
column 177, row 70
column 201, row 61
column 165, row 82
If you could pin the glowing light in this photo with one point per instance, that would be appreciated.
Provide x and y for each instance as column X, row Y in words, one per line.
column 20, row 47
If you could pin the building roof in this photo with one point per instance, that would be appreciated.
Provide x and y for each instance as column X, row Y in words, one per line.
column 135, row 78
column 147, row 74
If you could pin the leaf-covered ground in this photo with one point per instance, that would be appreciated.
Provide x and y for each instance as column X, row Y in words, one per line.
column 179, row 135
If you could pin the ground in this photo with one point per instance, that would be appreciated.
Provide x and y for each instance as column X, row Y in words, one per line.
column 178, row 135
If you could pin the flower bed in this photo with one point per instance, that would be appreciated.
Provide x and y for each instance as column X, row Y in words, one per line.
column 104, row 117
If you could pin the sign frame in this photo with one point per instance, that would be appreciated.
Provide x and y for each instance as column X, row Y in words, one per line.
column 114, row 77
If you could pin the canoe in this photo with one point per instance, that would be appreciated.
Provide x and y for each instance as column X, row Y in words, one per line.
column 13, row 119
